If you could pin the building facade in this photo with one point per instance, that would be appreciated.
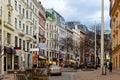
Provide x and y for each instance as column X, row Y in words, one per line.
column 115, row 33
column 51, row 35
column 21, row 31
column 8, row 35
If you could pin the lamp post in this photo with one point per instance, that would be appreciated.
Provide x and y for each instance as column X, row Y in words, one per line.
column 95, row 47
column 103, row 69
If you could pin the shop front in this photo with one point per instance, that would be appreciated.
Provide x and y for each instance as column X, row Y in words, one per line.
column 42, row 62
column 9, row 58
column 29, row 60
column 35, row 59
column 20, row 59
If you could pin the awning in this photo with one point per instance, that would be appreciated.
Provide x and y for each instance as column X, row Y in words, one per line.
column 41, row 57
column 9, row 50
column 13, row 51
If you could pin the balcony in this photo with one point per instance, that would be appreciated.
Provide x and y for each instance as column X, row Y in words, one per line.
column 9, row 26
column 21, row 16
column 10, row 7
column 29, row 37
column 34, row 39
column 21, row 32
column 34, row 27
column 29, row 21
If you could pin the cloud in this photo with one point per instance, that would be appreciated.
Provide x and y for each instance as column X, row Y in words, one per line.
column 85, row 11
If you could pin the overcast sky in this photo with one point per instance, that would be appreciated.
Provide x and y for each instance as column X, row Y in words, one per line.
column 86, row 11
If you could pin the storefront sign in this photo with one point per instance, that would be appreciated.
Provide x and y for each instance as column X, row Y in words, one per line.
column 34, row 49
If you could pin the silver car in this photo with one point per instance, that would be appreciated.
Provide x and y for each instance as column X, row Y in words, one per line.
column 55, row 69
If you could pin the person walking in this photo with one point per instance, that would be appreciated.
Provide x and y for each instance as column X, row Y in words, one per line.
column 110, row 66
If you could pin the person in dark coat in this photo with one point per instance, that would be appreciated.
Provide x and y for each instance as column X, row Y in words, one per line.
column 35, row 66
column 110, row 66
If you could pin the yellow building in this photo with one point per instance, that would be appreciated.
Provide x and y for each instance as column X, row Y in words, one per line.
column 7, row 10
column 115, row 26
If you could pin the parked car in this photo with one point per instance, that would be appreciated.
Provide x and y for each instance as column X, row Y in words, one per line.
column 55, row 69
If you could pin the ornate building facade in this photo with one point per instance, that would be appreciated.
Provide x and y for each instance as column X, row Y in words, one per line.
column 115, row 26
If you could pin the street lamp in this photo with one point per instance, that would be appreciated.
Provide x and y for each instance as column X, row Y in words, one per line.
column 103, row 69
column 95, row 47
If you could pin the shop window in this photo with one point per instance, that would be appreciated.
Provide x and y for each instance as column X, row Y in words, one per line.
column 9, row 61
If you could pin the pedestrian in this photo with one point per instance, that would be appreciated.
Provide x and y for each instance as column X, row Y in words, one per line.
column 110, row 66
column 35, row 68
column 16, row 67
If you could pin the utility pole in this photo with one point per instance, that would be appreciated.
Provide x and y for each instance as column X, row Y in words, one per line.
column 2, row 42
column 103, row 69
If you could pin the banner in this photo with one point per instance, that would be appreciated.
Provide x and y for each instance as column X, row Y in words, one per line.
column 43, row 46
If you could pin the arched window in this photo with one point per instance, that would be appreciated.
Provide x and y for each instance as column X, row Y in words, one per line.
column 9, row 17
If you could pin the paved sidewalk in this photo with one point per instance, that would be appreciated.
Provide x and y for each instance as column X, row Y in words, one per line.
column 96, row 75
column 8, row 77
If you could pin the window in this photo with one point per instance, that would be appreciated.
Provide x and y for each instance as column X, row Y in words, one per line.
column 31, row 30
column 30, row 45
column 27, row 46
column 9, row 17
column 19, row 24
column 35, row 10
column 33, row 21
column 16, row 41
column 27, row 14
column 27, row 2
column 15, row 23
column 30, row 15
column 20, row 9
column 116, row 22
column 47, row 25
column 20, row 42
column 16, row 5
column 24, row 45
column 8, row 38
column 27, row 29
column 31, row 5
column 9, row 1
column 23, row 27
column 23, row 11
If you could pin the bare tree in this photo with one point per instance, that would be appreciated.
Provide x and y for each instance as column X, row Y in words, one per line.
column 67, row 45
